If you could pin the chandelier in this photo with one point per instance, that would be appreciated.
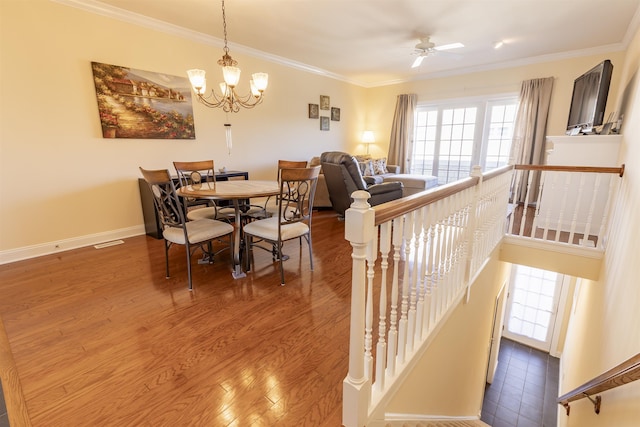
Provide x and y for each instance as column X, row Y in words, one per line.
column 229, row 100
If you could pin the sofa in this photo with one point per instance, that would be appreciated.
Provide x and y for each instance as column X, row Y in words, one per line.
column 343, row 176
column 411, row 183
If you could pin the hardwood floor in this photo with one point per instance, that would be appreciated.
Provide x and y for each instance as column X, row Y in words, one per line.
column 100, row 337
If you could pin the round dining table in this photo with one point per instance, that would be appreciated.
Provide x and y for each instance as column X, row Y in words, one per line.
column 234, row 191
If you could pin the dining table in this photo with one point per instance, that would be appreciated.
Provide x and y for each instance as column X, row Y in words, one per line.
column 235, row 191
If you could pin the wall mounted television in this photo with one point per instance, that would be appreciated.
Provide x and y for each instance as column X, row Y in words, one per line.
column 589, row 99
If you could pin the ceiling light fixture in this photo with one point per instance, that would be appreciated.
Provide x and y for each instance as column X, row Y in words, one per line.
column 498, row 44
column 229, row 101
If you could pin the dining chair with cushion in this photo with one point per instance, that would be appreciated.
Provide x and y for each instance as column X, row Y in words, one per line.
column 198, row 172
column 176, row 229
column 271, row 205
column 293, row 220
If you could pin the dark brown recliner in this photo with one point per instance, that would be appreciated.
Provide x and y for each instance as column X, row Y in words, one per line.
column 343, row 177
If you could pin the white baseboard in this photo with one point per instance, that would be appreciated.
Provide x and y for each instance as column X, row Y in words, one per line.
column 33, row 251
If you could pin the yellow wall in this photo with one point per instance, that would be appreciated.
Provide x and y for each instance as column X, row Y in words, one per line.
column 605, row 327
column 450, row 377
column 61, row 179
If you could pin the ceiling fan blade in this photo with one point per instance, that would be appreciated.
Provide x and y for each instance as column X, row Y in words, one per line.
column 449, row 46
column 418, row 61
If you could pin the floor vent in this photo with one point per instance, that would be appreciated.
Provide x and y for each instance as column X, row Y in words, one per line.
column 107, row 244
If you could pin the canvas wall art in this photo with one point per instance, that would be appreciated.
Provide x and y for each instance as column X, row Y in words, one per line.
column 142, row 104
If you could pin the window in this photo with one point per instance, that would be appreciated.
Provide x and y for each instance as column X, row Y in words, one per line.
column 450, row 138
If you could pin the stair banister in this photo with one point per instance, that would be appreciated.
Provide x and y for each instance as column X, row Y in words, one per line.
column 624, row 373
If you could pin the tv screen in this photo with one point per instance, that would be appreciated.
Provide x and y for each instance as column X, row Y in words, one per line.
column 589, row 98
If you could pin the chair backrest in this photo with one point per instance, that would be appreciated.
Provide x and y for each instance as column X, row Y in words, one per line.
column 343, row 176
column 289, row 164
column 197, row 172
column 297, row 191
column 166, row 200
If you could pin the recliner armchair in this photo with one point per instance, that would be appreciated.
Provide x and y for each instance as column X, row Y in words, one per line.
column 343, row 177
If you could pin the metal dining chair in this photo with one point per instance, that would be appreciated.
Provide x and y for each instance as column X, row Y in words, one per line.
column 198, row 172
column 271, row 204
column 293, row 219
column 196, row 234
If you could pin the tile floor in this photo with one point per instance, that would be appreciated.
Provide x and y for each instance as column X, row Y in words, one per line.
column 524, row 390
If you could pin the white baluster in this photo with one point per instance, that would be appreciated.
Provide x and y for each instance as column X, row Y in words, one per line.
column 372, row 250
column 592, row 206
column 565, row 194
column 576, row 208
column 438, row 260
column 605, row 214
column 526, row 203
column 381, row 346
column 515, row 195
column 395, row 285
column 427, row 262
column 406, row 281
column 548, row 216
column 431, row 268
column 534, row 226
column 420, row 307
column 413, row 279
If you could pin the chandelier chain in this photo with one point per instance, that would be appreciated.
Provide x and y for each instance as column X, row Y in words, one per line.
column 226, row 59
column 224, row 28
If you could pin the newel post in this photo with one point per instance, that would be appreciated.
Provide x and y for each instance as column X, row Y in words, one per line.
column 356, row 389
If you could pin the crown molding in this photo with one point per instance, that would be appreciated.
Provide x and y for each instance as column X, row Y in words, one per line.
column 113, row 12
column 99, row 8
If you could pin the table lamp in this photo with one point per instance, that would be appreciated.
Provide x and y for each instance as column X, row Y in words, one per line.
column 368, row 138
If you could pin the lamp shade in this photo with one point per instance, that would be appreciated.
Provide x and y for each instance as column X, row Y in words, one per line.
column 260, row 80
column 231, row 75
column 197, row 79
column 368, row 137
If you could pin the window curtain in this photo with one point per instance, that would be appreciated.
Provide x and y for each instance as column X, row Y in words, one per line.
column 402, row 132
column 529, row 136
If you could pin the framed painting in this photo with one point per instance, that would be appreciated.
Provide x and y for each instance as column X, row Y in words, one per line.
column 335, row 114
column 324, row 123
column 142, row 104
column 313, row 111
column 324, row 102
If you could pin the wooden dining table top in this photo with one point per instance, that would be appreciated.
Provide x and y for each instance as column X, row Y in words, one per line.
column 234, row 189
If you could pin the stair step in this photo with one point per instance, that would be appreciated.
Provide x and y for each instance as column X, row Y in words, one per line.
column 452, row 423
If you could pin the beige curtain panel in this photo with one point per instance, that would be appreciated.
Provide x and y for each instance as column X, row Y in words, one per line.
column 402, row 132
column 529, row 136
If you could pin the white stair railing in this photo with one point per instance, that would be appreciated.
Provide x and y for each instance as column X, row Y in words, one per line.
column 569, row 204
column 413, row 261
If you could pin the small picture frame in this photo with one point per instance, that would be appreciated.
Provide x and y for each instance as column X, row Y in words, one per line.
column 314, row 113
column 324, row 123
column 325, row 103
column 335, row 114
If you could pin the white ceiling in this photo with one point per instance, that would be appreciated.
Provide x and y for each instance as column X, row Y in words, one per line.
column 371, row 42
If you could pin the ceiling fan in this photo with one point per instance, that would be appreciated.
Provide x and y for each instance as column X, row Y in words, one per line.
column 426, row 47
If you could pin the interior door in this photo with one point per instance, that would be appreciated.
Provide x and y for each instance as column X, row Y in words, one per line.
column 496, row 332
column 532, row 306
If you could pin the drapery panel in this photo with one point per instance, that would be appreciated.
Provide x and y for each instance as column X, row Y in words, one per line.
column 401, row 139
column 530, row 130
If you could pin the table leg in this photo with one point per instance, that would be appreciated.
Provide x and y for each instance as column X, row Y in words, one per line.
column 237, row 267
